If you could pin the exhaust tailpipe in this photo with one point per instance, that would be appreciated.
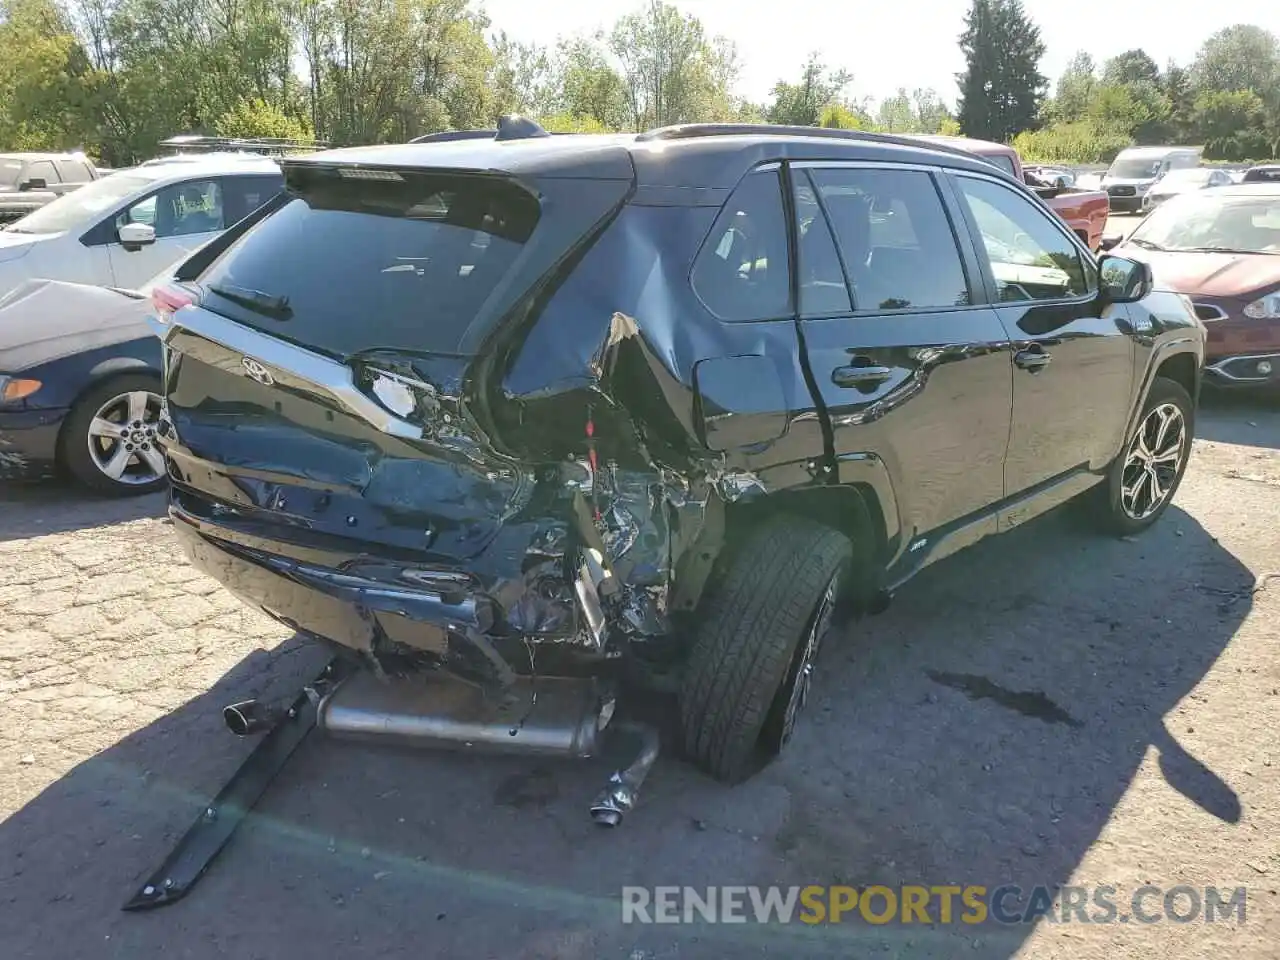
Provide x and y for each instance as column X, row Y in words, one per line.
column 248, row 717
column 623, row 789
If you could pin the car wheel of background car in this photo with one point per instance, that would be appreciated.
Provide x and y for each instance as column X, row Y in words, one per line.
column 754, row 648
column 108, row 442
column 1144, row 478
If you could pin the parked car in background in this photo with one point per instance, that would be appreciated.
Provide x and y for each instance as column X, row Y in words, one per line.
column 1135, row 170
column 670, row 398
column 1180, row 181
column 79, row 386
column 121, row 230
column 28, row 181
column 1222, row 249
column 1053, row 176
column 1267, row 173
column 1085, row 212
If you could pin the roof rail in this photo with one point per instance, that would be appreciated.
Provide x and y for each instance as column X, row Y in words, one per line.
column 269, row 146
column 445, row 136
column 690, row 131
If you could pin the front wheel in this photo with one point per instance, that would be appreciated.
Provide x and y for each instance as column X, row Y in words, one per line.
column 1143, row 479
column 756, row 644
column 108, row 441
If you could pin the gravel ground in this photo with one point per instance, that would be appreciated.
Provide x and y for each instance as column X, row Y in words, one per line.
column 1150, row 757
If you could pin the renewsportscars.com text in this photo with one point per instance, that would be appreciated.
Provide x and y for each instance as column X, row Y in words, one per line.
column 945, row 904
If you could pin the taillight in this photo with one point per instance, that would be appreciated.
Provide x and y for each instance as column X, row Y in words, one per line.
column 168, row 300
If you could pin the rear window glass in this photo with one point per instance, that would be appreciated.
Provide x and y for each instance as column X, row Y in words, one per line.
column 401, row 263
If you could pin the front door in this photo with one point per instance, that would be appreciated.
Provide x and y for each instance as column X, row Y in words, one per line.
column 185, row 216
column 911, row 365
column 1073, row 356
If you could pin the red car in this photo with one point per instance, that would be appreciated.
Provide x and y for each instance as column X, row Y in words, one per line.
column 1221, row 247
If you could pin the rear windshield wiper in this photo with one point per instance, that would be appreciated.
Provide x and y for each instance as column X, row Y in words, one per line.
column 266, row 304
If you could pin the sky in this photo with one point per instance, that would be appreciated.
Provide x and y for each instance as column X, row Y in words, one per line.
column 900, row 43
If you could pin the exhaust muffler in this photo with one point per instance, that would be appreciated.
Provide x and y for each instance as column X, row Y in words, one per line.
column 540, row 716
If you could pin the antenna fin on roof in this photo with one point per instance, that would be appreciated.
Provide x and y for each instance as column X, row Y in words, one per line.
column 515, row 127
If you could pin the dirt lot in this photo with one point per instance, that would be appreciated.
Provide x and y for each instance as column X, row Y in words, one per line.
column 1160, row 765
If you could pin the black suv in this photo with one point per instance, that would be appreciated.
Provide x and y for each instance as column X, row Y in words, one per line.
column 524, row 414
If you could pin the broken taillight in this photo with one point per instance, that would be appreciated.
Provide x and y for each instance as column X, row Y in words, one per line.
column 166, row 300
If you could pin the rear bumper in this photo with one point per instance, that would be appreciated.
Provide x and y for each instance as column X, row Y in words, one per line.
column 29, row 443
column 398, row 613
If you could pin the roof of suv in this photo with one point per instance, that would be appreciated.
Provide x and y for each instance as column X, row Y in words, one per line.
column 692, row 156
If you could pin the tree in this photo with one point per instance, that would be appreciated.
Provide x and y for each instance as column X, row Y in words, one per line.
column 837, row 116
column 1074, row 91
column 520, row 78
column 45, row 79
column 803, row 103
column 257, row 118
column 1131, row 68
column 1180, row 94
column 896, row 114
column 587, row 86
column 1242, row 57
column 931, row 114
column 673, row 72
column 1002, row 87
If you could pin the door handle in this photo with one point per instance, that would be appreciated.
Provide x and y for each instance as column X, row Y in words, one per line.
column 855, row 375
column 1033, row 359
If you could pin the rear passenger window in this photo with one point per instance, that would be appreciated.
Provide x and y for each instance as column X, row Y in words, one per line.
column 1031, row 259
column 822, row 284
column 73, row 171
column 895, row 238
column 742, row 271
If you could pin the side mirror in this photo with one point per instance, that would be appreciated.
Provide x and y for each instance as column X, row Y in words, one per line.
column 1124, row 280
column 135, row 236
column 35, row 183
column 1110, row 243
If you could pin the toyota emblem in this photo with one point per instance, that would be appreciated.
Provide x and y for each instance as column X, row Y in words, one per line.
column 256, row 371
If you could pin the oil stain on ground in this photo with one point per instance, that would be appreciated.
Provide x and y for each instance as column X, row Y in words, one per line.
column 1030, row 703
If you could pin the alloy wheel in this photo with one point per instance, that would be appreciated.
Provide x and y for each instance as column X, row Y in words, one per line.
column 122, row 439
column 1153, row 461
column 801, row 673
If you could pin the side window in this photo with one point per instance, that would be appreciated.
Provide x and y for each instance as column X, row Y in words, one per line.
column 822, row 283
column 742, row 271
column 895, row 238
column 73, row 171
column 42, row 170
column 243, row 195
column 1031, row 259
column 179, row 210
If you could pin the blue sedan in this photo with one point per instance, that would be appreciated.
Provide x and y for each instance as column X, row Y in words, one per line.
column 80, row 387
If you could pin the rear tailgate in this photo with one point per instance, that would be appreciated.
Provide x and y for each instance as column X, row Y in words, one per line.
column 317, row 388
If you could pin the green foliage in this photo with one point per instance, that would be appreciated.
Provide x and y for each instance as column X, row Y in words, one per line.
column 1002, row 87
column 837, row 116
column 1081, row 141
column 804, row 103
column 257, row 118
column 567, row 123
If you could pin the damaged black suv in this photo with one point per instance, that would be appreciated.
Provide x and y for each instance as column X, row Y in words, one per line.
column 515, row 417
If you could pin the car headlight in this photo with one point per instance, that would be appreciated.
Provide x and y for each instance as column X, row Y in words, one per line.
column 1264, row 308
column 16, row 388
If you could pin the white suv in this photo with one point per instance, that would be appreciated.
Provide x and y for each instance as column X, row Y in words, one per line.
column 122, row 230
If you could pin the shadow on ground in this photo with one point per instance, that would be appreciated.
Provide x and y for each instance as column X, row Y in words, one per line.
column 980, row 731
column 1247, row 419
column 36, row 508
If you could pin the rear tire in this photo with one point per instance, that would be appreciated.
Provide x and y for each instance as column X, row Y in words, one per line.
column 108, row 440
column 1142, row 481
column 753, row 650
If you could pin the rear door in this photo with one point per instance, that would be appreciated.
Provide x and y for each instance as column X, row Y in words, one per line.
column 1073, row 357
column 911, row 364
